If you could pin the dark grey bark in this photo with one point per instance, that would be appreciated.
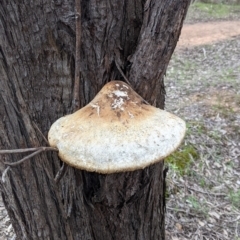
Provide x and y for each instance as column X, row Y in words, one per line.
column 37, row 54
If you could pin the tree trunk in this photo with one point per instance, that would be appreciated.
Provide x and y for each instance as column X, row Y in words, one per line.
column 37, row 54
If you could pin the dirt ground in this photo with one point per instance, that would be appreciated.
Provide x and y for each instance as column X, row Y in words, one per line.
column 192, row 35
column 207, row 33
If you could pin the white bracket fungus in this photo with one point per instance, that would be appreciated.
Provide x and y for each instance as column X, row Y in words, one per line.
column 125, row 135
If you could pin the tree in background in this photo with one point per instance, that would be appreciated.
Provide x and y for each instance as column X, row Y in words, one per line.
column 37, row 65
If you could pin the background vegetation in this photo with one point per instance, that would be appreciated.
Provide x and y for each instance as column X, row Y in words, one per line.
column 203, row 191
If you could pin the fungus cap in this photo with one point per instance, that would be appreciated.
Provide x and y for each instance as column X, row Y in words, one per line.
column 117, row 131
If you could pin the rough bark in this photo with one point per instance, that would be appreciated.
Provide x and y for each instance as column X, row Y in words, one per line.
column 37, row 54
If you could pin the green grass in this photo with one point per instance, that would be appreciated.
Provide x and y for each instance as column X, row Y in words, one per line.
column 234, row 198
column 180, row 161
column 224, row 111
column 216, row 135
column 216, row 10
column 198, row 126
column 200, row 207
column 229, row 75
column 202, row 183
column 237, row 99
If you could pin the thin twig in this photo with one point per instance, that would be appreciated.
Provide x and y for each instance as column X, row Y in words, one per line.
column 39, row 150
column 127, row 81
column 123, row 75
column 23, row 159
column 76, row 90
column 13, row 164
column 35, row 125
column 23, row 150
column 180, row 210
column 209, row 193
column 76, row 95
column 4, row 174
column 70, row 205
column 61, row 173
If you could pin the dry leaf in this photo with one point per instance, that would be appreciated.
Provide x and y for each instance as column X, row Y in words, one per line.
column 178, row 226
column 201, row 223
column 175, row 238
column 214, row 214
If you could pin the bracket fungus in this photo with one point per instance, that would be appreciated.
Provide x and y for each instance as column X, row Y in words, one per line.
column 117, row 131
